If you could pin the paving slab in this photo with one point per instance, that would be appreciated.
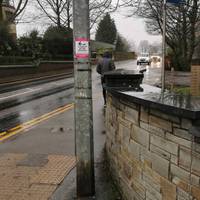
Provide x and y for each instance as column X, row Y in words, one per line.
column 32, row 177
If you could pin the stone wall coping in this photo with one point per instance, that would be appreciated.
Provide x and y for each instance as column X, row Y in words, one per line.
column 174, row 104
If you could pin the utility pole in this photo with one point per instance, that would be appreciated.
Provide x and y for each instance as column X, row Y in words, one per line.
column 83, row 100
column 163, row 46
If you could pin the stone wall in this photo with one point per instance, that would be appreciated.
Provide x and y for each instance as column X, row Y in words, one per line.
column 120, row 56
column 152, row 156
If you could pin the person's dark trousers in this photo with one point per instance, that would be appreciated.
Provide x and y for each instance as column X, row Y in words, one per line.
column 103, row 88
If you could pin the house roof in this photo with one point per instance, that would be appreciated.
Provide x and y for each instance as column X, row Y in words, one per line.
column 100, row 46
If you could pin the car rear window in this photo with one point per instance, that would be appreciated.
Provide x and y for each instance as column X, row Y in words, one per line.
column 145, row 55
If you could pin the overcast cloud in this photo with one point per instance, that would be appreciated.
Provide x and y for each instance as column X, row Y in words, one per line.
column 133, row 29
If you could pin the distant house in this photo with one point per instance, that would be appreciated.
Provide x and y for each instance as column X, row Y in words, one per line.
column 8, row 11
column 98, row 48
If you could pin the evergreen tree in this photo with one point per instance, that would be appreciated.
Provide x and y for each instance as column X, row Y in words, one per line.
column 58, row 41
column 122, row 44
column 30, row 45
column 106, row 30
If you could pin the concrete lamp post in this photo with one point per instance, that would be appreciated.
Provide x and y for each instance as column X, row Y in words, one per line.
column 83, row 100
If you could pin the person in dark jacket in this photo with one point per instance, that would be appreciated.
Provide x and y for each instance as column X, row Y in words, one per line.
column 104, row 65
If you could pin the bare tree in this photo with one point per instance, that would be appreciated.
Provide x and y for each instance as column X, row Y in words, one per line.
column 59, row 12
column 98, row 9
column 182, row 26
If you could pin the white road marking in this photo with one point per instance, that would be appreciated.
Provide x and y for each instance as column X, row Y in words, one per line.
column 62, row 83
column 33, row 89
column 19, row 94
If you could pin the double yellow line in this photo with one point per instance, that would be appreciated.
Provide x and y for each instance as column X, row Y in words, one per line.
column 27, row 125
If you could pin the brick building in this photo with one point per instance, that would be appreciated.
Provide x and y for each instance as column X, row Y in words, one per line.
column 8, row 11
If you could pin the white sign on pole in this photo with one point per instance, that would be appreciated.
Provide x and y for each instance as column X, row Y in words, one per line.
column 82, row 48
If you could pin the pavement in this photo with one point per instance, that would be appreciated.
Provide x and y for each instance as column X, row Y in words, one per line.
column 32, row 176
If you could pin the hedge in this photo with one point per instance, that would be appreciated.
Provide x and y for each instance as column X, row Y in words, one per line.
column 10, row 60
column 16, row 60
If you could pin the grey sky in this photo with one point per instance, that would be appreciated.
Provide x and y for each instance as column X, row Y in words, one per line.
column 133, row 29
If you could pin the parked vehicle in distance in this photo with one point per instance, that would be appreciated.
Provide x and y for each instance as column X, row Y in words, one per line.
column 144, row 58
column 155, row 58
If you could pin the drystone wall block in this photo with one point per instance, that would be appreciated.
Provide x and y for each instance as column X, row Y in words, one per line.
column 150, row 196
column 144, row 125
column 130, row 104
column 174, row 125
column 148, row 180
column 196, row 147
column 164, row 144
column 186, row 124
column 182, row 195
column 145, row 156
column 154, row 176
column 195, row 180
column 156, row 131
column 116, row 103
column 139, row 189
column 120, row 114
column 124, row 133
column 181, row 184
column 185, row 158
column 180, row 173
column 168, row 190
column 178, row 140
column 144, row 114
column 164, row 116
column 137, row 174
column 160, row 165
column 124, row 122
column 160, row 123
column 126, row 189
column 140, row 135
column 182, row 133
column 132, row 115
column 134, row 150
column 196, row 164
column 174, row 159
column 127, row 170
column 152, row 193
column 196, row 192
column 164, row 154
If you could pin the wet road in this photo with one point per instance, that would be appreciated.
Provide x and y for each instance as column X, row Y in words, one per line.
column 25, row 104
column 152, row 76
column 22, row 105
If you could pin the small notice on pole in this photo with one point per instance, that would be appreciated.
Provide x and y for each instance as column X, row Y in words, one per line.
column 82, row 48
